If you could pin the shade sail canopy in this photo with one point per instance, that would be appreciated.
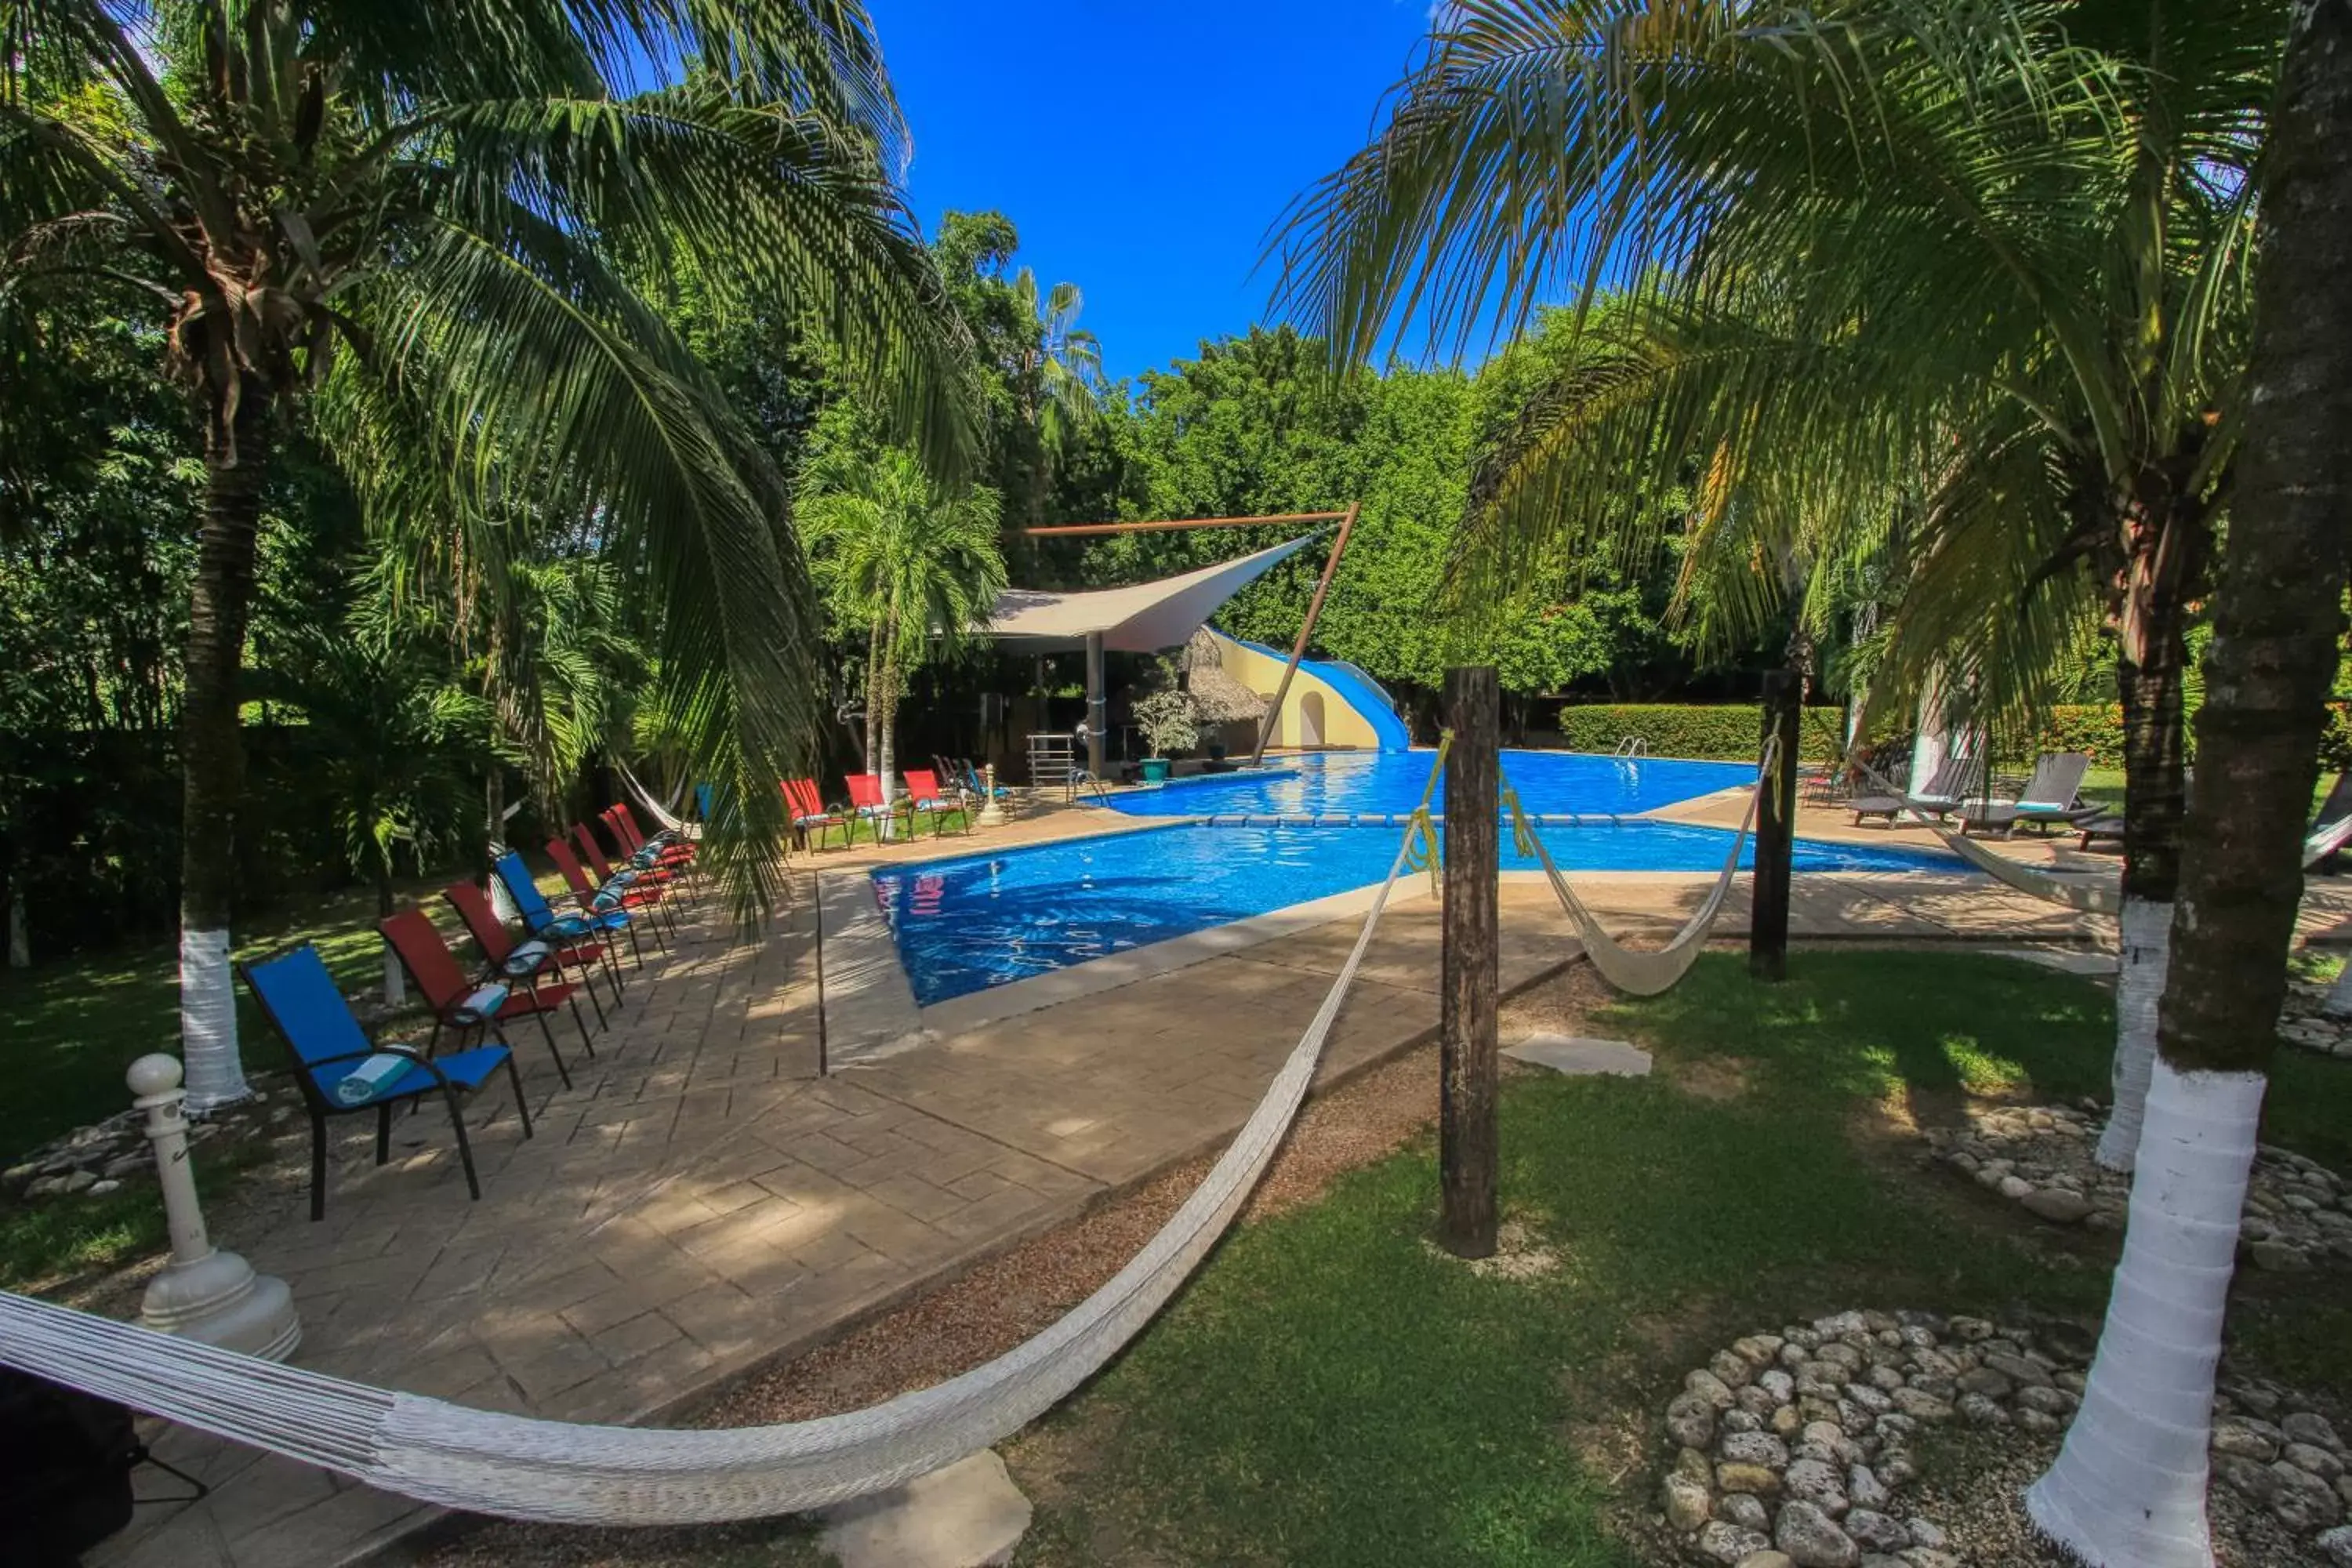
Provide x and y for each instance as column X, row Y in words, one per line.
column 1142, row 619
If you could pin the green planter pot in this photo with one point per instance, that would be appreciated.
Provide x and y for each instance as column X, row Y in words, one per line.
column 1155, row 770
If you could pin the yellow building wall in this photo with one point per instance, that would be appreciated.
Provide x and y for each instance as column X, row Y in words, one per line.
column 1340, row 724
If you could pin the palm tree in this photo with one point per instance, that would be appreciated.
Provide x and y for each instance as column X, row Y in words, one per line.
column 1056, row 375
column 417, row 226
column 1971, row 277
column 2129, row 1485
column 912, row 568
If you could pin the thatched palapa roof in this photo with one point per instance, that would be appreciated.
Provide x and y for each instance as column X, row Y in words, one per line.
column 1220, row 697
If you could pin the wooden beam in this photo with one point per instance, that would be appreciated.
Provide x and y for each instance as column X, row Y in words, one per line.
column 1072, row 530
column 1469, row 948
column 1305, row 630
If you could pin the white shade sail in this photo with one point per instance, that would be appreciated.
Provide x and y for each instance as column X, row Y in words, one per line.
column 1142, row 619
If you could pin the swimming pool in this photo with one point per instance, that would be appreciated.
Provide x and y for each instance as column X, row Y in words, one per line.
column 976, row 922
column 1384, row 782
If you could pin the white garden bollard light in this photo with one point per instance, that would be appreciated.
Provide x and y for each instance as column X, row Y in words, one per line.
column 991, row 810
column 202, row 1294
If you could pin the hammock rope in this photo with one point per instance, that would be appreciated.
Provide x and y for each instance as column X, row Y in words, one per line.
column 1643, row 972
column 2091, row 892
column 664, row 815
column 527, row 1467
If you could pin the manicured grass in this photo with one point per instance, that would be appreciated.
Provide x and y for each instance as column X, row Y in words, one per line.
column 1330, row 1392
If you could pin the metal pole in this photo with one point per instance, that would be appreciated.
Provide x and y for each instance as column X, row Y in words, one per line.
column 1467, row 1153
column 1097, row 706
column 816, row 903
column 1307, row 629
column 1768, row 922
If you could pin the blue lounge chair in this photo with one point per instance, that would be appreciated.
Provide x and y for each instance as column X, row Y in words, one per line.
column 539, row 919
column 340, row 1074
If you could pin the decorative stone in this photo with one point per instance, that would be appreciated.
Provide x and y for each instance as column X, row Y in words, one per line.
column 2048, row 1399
column 2279, row 1257
column 1744, row 1511
column 1756, row 1478
column 2318, row 1460
column 2336, row 1545
column 1709, row 1387
column 2316, row 1430
column 1690, row 1420
column 1985, row 1383
column 1729, row 1543
column 1687, row 1504
column 1732, row 1371
column 2243, row 1475
column 1765, row 1559
column 1812, row 1539
column 1921, row 1405
column 2057, row 1204
column 2302, row 1501
column 1756, row 1448
column 1874, row 1532
column 1867, row 1491
column 964, row 1516
column 1978, row 1410
column 2237, row 1439
column 1925, row 1532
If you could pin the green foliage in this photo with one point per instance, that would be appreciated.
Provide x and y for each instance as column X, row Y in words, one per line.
column 1721, row 732
column 1169, row 722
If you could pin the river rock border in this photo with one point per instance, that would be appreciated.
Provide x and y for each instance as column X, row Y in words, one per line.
column 1794, row 1450
column 2041, row 1157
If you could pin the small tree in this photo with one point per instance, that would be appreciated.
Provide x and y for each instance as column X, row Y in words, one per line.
column 1169, row 722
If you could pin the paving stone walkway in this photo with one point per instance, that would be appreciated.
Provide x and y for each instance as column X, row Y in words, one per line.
column 701, row 1202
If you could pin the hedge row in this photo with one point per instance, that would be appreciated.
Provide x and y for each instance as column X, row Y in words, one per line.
column 1727, row 731
column 2098, row 729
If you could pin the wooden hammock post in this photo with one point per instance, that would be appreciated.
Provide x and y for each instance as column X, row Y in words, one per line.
column 1776, row 815
column 1307, row 629
column 1467, row 1152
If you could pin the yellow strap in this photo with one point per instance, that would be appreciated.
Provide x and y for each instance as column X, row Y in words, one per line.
column 1422, row 848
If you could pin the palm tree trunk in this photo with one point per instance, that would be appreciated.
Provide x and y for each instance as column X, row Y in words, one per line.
column 2129, row 1486
column 212, row 747
column 881, row 710
column 395, row 978
column 2155, row 792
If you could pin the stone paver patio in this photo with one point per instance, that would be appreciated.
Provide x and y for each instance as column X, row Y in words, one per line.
column 701, row 1203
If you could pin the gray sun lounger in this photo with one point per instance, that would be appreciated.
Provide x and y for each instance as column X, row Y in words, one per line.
column 1940, row 798
column 2051, row 797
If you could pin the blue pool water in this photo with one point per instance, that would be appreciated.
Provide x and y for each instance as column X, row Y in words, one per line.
column 1346, row 783
column 966, row 924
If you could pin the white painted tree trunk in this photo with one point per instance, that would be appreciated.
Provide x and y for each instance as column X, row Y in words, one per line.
column 885, row 764
column 2145, row 939
column 208, row 1021
column 20, row 931
column 1931, row 744
column 2128, row 1489
column 395, row 979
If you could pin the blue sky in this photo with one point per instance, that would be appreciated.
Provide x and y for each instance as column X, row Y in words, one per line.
column 1142, row 146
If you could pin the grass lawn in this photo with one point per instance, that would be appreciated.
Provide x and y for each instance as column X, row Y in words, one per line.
column 1329, row 1392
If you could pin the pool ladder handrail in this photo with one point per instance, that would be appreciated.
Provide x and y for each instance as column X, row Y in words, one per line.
column 1632, row 748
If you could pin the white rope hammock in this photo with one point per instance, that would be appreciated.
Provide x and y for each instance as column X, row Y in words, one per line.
column 1644, row 971
column 525, row 1468
column 664, row 815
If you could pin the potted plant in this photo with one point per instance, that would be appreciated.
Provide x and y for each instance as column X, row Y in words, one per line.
column 1169, row 724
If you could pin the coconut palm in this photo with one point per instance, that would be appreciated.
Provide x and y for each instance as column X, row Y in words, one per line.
column 416, row 224
column 912, row 568
column 2129, row 1486
column 1967, row 278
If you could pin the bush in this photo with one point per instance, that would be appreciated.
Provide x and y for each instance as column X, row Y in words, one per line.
column 2093, row 727
column 1730, row 732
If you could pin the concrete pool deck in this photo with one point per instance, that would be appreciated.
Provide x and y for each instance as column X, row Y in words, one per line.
column 701, row 1204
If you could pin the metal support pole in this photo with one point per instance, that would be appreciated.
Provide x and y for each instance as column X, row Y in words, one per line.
column 1305, row 630
column 204, row 1293
column 1097, row 708
column 1467, row 1153
column 1768, row 922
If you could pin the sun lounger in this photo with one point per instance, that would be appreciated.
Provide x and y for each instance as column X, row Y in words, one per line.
column 2052, row 797
column 1941, row 797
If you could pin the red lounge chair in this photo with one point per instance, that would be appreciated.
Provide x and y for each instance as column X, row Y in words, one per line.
column 651, row 882
column 809, row 814
column 664, row 852
column 463, row 1004
column 595, row 900
column 528, row 960
column 866, row 805
column 925, row 798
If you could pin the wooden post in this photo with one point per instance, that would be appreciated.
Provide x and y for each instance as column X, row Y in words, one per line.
column 1776, row 815
column 1305, row 630
column 1467, row 1156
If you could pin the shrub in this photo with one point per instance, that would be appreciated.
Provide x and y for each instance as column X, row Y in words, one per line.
column 1170, row 723
column 1730, row 732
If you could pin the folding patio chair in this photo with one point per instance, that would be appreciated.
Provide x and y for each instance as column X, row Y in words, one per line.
column 340, row 1074
column 608, row 898
column 809, row 814
column 528, row 960
column 866, row 806
column 465, row 1004
column 652, row 885
column 925, row 798
column 541, row 919
column 676, row 855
